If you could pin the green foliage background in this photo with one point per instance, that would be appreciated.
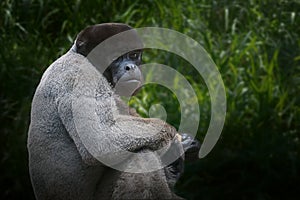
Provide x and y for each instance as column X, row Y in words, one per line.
column 254, row 43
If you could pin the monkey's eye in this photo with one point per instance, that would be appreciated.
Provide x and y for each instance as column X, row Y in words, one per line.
column 133, row 55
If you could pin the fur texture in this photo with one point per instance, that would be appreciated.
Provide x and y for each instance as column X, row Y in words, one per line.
column 73, row 98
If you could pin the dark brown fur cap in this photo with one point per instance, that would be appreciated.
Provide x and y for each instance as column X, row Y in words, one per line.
column 91, row 36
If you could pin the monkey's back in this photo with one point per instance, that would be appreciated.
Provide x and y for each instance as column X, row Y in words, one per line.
column 56, row 167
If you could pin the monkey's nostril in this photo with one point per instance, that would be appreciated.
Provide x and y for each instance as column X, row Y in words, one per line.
column 129, row 67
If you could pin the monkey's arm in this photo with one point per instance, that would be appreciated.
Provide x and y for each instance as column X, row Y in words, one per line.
column 89, row 114
column 190, row 146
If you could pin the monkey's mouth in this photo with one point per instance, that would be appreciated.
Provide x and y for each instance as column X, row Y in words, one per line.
column 132, row 81
column 127, row 87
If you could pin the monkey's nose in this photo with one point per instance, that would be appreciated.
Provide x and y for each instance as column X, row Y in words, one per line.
column 129, row 67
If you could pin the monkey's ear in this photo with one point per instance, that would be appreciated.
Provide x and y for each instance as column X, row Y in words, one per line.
column 80, row 47
column 79, row 43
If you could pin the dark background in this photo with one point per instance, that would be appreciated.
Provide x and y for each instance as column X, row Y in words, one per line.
column 254, row 43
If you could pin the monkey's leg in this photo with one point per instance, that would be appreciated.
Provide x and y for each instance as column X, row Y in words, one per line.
column 148, row 185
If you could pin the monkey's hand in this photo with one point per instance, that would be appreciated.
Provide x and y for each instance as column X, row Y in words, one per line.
column 191, row 147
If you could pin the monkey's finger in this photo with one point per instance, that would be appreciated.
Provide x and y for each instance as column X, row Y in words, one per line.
column 179, row 137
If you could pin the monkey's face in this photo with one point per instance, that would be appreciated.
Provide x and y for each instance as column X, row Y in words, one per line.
column 124, row 73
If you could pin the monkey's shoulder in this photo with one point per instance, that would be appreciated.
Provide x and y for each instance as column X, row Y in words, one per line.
column 62, row 74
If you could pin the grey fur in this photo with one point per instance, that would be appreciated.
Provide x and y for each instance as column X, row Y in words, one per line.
column 60, row 165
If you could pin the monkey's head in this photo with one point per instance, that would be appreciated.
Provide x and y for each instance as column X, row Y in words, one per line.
column 124, row 73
